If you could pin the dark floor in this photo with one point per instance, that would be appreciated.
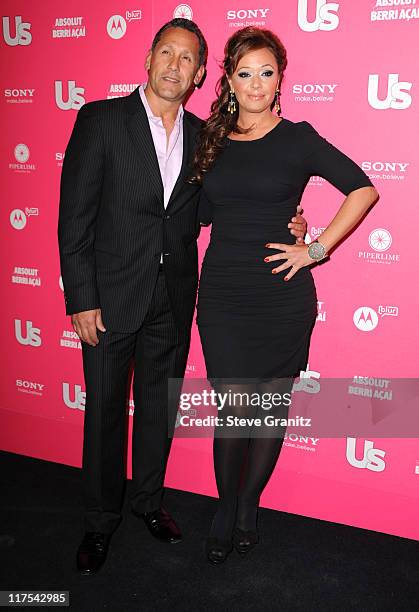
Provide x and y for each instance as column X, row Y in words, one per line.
column 300, row 563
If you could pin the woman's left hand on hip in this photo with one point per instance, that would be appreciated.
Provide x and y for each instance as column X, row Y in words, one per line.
column 295, row 255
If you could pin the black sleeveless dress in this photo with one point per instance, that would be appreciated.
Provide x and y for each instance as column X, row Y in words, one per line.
column 252, row 323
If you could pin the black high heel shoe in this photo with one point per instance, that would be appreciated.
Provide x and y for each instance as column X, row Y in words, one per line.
column 244, row 541
column 217, row 550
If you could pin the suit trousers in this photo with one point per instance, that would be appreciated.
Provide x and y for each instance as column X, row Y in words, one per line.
column 159, row 351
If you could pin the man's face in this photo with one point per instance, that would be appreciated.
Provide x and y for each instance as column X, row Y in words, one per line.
column 173, row 65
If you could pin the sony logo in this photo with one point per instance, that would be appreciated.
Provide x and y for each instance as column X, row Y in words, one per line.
column 247, row 14
column 18, row 93
column 310, row 88
column 379, row 166
column 301, row 439
column 27, row 384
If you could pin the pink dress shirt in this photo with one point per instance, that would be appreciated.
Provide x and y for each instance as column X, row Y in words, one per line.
column 169, row 154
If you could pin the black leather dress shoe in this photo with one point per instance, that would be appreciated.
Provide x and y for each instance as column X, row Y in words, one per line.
column 92, row 552
column 217, row 550
column 161, row 525
column 244, row 541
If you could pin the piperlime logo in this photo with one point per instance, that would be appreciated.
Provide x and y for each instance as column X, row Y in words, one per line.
column 21, row 153
column 183, row 11
column 380, row 239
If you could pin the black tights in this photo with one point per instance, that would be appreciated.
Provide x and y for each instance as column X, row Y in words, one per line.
column 245, row 456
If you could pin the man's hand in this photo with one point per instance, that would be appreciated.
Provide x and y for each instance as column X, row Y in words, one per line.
column 298, row 226
column 85, row 324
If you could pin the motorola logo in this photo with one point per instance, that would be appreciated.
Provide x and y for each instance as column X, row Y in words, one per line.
column 18, row 219
column 116, row 27
column 365, row 318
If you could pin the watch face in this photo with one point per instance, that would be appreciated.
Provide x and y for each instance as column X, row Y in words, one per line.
column 316, row 250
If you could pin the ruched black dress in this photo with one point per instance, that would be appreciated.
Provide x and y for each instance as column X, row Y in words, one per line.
column 252, row 323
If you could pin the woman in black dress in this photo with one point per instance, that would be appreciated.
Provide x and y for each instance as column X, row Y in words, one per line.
column 257, row 300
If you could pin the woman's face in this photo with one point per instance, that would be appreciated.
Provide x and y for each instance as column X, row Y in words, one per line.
column 255, row 80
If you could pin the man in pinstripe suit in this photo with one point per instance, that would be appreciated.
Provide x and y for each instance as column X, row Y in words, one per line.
column 128, row 226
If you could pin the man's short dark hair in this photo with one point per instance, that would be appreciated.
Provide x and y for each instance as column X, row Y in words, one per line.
column 185, row 24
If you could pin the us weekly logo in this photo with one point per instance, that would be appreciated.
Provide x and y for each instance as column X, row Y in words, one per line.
column 73, row 396
column 73, row 99
column 397, row 96
column 16, row 31
column 325, row 15
column 27, row 334
column 369, row 458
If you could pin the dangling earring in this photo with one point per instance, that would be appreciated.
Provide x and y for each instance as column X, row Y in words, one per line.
column 277, row 105
column 232, row 103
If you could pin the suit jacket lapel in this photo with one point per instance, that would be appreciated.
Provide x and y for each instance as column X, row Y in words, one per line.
column 140, row 134
column 188, row 150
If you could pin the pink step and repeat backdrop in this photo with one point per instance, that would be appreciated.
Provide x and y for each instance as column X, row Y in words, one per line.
column 352, row 73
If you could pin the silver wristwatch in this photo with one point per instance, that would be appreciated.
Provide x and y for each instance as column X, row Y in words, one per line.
column 316, row 250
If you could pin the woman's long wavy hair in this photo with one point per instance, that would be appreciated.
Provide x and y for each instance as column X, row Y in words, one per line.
column 221, row 123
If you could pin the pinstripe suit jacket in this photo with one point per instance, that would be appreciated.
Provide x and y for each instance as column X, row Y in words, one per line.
column 113, row 226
